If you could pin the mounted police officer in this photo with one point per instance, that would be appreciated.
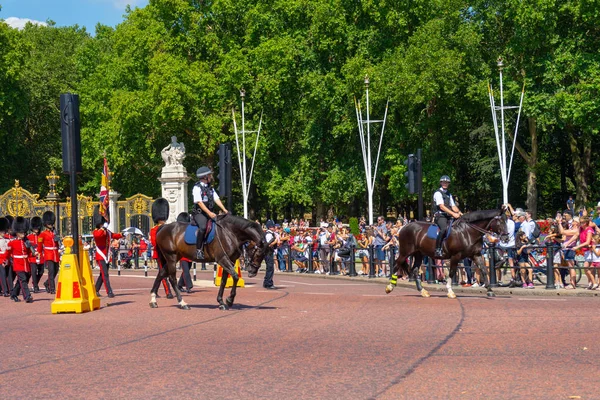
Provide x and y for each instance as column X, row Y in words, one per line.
column 205, row 198
column 445, row 209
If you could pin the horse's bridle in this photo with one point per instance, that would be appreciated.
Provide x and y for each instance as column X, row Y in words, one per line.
column 486, row 230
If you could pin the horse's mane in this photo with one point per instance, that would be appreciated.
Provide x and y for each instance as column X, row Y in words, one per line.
column 239, row 222
column 479, row 215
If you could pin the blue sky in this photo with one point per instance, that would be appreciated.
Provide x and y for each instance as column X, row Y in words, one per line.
column 68, row 12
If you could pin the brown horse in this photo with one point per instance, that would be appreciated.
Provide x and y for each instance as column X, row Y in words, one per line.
column 232, row 233
column 464, row 241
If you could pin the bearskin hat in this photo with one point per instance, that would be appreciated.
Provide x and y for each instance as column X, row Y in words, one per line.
column 35, row 223
column 184, row 217
column 99, row 220
column 20, row 225
column 160, row 210
column 4, row 224
column 48, row 218
column 10, row 219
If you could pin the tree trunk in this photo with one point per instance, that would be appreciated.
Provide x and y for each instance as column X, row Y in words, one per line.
column 531, row 168
column 581, row 154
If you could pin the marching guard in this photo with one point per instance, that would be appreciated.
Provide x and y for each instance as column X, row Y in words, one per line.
column 48, row 247
column 102, row 238
column 20, row 250
column 160, row 214
column 36, row 263
column 4, row 259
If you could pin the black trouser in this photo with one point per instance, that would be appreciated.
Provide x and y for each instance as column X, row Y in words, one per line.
column 136, row 258
column 270, row 269
column 442, row 223
column 115, row 257
column 22, row 285
column 52, row 268
column 103, row 278
column 6, row 279
column 37, row 271
column 185, row 277
column 201, row 219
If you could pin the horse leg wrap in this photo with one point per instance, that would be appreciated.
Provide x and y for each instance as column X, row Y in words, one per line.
column 392, row 284
column 394, row 280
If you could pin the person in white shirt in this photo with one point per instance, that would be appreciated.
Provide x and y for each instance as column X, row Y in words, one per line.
column 445, row 209
column 205, row 198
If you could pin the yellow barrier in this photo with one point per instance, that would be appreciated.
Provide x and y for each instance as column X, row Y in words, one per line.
column 229, row 282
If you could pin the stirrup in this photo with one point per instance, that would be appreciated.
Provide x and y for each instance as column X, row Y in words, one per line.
column 199, row 254
column 439, row 252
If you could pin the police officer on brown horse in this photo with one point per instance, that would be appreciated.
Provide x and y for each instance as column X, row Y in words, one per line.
column 445, row 209
column 205, row 198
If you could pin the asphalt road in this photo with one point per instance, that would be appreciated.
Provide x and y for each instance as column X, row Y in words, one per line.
column 311, row 339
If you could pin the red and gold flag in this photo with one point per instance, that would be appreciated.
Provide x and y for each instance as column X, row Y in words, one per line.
column 104, row 199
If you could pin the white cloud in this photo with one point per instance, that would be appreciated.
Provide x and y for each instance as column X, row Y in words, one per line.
column 19, row 23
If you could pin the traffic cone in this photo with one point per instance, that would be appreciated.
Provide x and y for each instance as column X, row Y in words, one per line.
column 69, row 291
column 87, row 279
column 229, row 282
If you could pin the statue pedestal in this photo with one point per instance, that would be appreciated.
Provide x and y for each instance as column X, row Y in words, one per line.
column 173, row 181
column 113, row 211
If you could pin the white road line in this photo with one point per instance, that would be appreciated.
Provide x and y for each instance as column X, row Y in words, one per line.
column 325, row 284
column 521, row 299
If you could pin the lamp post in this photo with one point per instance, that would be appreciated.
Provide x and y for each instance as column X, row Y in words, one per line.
column 52, row 197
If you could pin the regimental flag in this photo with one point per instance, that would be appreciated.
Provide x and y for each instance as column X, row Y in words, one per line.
column 104, row 199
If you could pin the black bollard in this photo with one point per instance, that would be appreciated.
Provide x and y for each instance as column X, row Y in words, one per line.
column 492, row 258
column 203, row 266
column 310, row 261
column 119, row 269
column 352, row 271
column 194, row 272
column 550, row 266
column 289, row 266
column 146, row 268
column 332, row 270
column 371, row 262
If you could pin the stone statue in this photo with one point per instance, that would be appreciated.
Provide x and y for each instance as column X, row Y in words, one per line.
column 174, row 153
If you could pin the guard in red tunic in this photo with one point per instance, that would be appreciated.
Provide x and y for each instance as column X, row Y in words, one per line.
column 185, row 263
column 48, row 248
column 36, row 263
column 4, row 259
column 102, row 238
column 20, row 250
column 160, row 214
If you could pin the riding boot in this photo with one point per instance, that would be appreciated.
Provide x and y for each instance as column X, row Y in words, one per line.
column 438, row 246
column 200, row 245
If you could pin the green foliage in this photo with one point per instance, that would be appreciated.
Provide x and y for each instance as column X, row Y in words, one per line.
column 175, row 67
column 354, row 228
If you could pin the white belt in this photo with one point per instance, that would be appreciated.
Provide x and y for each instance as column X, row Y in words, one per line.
column 20, row 256
column 50, row 248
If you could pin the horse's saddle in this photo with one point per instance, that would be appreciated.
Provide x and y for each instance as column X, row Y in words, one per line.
column 434, row 231
column 192, row 231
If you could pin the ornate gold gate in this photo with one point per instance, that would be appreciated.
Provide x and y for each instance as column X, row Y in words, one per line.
column 136, row 211
column 20, row 202
column 85, row 211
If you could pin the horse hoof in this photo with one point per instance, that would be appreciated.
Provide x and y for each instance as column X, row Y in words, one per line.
column 451, row 295
column 425, row 293
column 229, row 302
column 185, row 307
column 491, row 294
column 223, row 307
column 388, row 289
column 153, row 305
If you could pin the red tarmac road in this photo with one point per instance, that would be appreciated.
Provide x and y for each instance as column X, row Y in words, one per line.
column 312, row 339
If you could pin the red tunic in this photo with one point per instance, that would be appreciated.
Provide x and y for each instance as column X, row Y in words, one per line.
column 49, row 245
column 102, row 238
column 4, row 250
column 34, row 239
column 19, row 254
column 153, row 240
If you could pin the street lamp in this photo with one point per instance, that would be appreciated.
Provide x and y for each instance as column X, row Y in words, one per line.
column 52, row 197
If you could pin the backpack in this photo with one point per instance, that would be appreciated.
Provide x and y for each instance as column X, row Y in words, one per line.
column 536, row 230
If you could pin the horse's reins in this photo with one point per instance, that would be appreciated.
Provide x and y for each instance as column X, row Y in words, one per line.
column 221, row 243
column 485, row 231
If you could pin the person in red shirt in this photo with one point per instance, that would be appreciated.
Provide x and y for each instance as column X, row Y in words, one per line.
column 186, row 263
column 20, row 250
column 160, row 214
column 4, row 227
column 10, row 276
column 144, row 249
column 102, row 238
column 36, row 263
column 48, row 248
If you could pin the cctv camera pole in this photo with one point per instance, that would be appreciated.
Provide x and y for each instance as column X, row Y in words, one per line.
column 245, row 178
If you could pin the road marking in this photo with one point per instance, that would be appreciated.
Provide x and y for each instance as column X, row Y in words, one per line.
column 326, row 294
column 380, row 295
column 520, row 299
column 325, row 284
